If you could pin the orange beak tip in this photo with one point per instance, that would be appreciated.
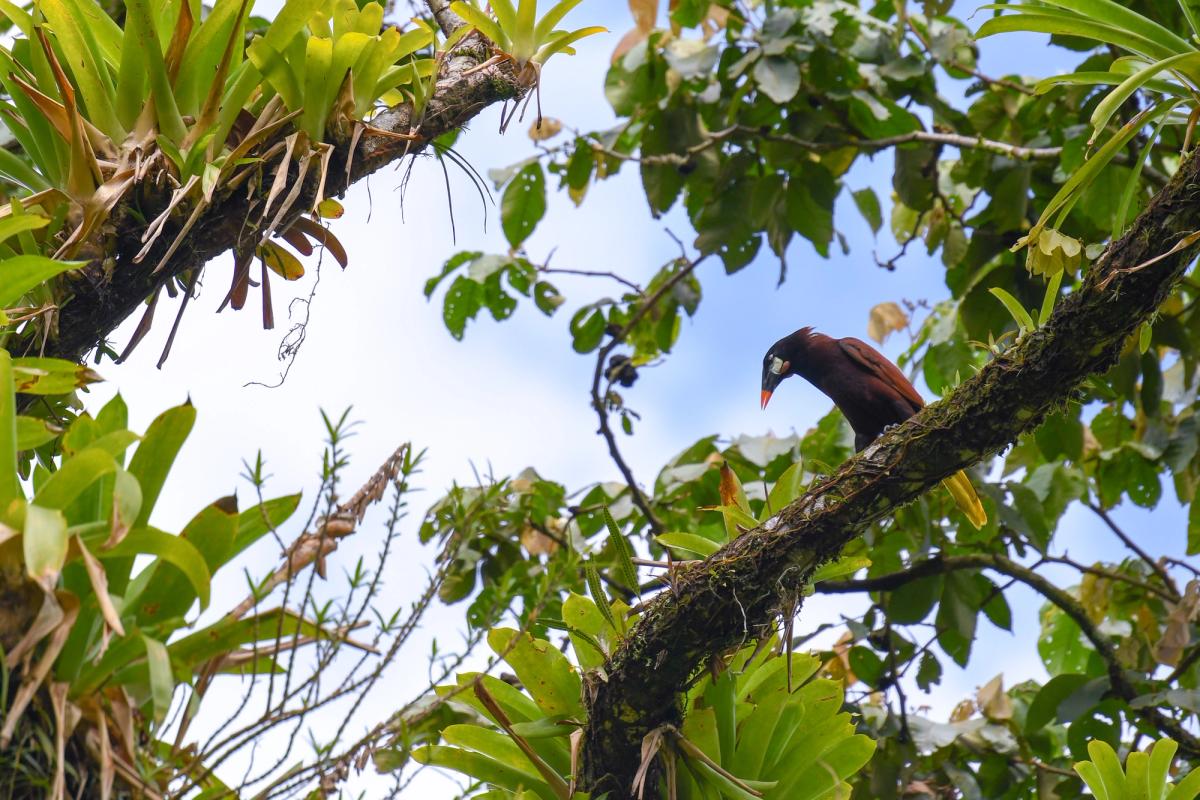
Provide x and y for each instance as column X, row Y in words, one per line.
column 766, row 398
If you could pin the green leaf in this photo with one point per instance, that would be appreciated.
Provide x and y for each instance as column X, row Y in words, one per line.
column 174, row 550
column 140, row 32
column 587, row 329
column 33, row 432
column 1044, row 708
column 162, row 681
column 10, row 484
column 160, row 445
column 787, row 488
column 868, row 205
column 1188, row 788
column 523, row 204
column 255, row 522
column 592, row 577
column 47, row 376
column 476, row 765
column 544, row 671
column 19, row 274
column 87, row 66
column 810, row 197
column 45, row 542
column 318, row 65
column 485, row 24
column 624, row 551
column 1105, row 759
column 778, row 78
column 1019, row 314
column 691, row 544
column 74, row 477
column 838, row 568
column 1158, row 771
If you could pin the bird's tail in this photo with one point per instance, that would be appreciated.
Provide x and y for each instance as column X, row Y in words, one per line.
column 960, row 488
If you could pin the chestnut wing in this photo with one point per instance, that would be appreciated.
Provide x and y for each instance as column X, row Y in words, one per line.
column 875, row 363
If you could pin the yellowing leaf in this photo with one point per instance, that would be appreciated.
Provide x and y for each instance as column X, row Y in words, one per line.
column 544, row 128
column 884, row 319
column 1053, row 252
column 280, row 261
column 330, row 209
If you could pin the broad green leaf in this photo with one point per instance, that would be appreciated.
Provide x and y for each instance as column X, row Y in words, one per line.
column 787, row 488
column 205, row 51
column 291, row 20
column 1019, row 314
column 87, row 66
column 1158, row 771
column 493, row 744
column 868, row 205
column 162, row 681
column 51, row 375
column 1074, row 26
column 485, row 24
column 692, row 544
column 139, row 28
column 75, row 476
column 1106, row 761
column 255, row 522
column 45, row 542
column 33, row 432
column 480, row 767
column 160, row 445
column 174, row 550
column 543, row 670
column 11, row 226
column 19, row 274
column 10, row 485
column 523, row 204
column 847, row 565
column 1114, row 99
column 318, row 63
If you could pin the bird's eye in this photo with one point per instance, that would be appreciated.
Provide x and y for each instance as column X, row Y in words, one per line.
column 776, row 365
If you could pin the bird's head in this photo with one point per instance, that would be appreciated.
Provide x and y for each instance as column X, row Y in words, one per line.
column 781, row 360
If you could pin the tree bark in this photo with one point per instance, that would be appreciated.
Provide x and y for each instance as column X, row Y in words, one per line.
column 108, row 289
column 736, row 595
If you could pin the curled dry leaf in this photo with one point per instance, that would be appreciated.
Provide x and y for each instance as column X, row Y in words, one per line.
column 1177, row 634
column 537, row 543
column 963, row 711
column 993, row 701
column 885, row 318
column 645, row 14
column 544, row 128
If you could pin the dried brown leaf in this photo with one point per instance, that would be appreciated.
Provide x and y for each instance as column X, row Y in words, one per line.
column 884, row 319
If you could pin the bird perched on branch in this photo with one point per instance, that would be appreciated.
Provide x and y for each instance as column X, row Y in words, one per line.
column 871, row 392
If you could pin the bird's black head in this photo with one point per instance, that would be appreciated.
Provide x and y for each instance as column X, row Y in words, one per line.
column 781, row 361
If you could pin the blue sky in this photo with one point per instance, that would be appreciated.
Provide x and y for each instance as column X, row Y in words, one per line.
column 514, row 394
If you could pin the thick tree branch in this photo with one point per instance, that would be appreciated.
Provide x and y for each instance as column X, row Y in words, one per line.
column 447, row 20
column 736, row 594
column 108, row 290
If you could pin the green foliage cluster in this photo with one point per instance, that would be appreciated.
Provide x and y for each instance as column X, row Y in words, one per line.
column 750, row 122
column 761, row 725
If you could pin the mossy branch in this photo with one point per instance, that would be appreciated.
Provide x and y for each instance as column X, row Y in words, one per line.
column 736, row 595
column 112, row 286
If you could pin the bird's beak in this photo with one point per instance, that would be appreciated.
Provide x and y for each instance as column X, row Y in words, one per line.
column 766, row 397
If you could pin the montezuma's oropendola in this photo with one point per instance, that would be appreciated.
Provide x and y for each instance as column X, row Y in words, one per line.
column 871, row 392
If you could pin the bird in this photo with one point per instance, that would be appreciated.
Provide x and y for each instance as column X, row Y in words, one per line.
column 871, row 392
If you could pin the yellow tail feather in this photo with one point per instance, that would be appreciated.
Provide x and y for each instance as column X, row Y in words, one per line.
column 960, row 488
